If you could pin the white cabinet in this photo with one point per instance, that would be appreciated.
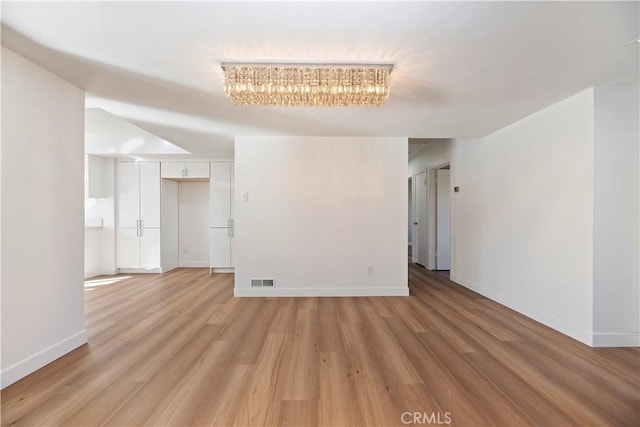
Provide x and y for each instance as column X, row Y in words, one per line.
column 150, row 248
column 222, row 222
column 138, row 215
column 221, row 246
column 128, row 248
column 185, row 170
column 221, row 196
column 139, row 248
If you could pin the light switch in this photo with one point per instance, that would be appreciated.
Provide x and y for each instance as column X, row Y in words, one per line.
column 245, row 197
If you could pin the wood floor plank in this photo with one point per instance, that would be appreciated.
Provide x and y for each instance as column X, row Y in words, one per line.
column 498, row 407
column 338, row 392
column 178, row 349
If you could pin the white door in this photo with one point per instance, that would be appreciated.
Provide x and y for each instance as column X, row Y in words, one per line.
column 420, row 219
column 443, row 220
column 128, row 195
column 150, row 248
column 172, row 169
column 231, row 195
column 128, row 248
column 220, row 186
column 221, row 248
column 150, row 194
column 197, row 169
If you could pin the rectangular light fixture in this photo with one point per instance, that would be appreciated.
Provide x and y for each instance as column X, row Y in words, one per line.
column 307, row 84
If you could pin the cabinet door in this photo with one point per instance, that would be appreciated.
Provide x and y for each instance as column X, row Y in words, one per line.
column 232, row 195
column 197, row 169
column 128, row 195
column 128, row 248
column 172, row 170
column 231, row 247
column 220, row 248
column 220, row 186
column 150, row 248
column 150, row 194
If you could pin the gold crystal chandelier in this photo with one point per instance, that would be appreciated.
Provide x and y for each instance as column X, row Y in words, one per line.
column 307, row 84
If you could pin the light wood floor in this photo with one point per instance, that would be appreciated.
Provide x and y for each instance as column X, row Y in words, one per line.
column 178, row 349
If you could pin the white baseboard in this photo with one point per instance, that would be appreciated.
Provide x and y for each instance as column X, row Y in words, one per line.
column 522, row 308
column 139, row 271
column 616, row 339
column 43, row 357
column 320, row 292
column 222, row 270
column 194, row 264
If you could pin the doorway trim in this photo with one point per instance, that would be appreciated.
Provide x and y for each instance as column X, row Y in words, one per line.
column 432, row 213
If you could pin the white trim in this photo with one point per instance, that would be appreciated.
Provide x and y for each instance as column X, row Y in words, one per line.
column 616, row 339
column 522, row 308
column 221, row 270
column 320, row 292
column 43, row 357
column 140, row 270
column 194, row 264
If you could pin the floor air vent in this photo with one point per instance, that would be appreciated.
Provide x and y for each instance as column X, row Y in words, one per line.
column 262, row 283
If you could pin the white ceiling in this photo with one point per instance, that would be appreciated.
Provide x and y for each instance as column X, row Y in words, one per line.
column 108, row 135
column 461, row 69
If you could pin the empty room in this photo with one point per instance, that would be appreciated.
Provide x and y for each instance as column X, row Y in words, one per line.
column 317, row 213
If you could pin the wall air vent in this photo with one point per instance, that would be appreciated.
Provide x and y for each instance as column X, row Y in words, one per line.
column 262, row 283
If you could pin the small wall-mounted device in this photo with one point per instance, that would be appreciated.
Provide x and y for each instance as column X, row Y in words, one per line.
column 456, row 189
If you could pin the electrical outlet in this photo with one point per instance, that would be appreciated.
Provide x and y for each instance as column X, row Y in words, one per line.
column 370, row 270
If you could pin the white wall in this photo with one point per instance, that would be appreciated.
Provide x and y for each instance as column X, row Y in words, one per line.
column 42, row 217
column 169, row 224
column 100, row 243
column 318, row 212
column 92, row 252
column 194, row 224
column 616, row 234
column 523, row 219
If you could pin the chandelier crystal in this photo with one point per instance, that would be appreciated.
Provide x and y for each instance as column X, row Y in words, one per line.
column 307, row 84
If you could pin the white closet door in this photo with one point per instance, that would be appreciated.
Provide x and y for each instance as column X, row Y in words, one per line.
column 197, row 169
column 150, row 248
column 128, row 195
column 150, row 194
column 419, row 248
column 221, row 248
column 231, row 247
column 128, row 248
column 220, row 186
column 231, row 193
